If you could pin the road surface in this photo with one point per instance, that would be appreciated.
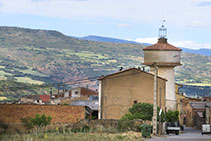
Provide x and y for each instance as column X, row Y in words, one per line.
column 188, row 134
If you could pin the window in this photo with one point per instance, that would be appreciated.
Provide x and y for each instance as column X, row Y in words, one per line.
column 76, row 92
column 135, row 101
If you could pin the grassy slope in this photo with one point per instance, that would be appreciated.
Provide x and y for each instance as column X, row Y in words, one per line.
column 49, row 56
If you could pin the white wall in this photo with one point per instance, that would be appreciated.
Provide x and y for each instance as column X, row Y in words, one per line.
column 168, row 73
column 161, row 56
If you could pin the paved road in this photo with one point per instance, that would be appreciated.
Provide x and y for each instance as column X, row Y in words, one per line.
column 188, row 134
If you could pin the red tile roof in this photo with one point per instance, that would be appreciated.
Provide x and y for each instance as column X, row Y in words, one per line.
column 86, row 91
column 45, row 98
column 162, row 46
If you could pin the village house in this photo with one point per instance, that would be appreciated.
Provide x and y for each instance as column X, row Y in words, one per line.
column 119, row 91
column 195, row 113
column 77, row 92
column 35, row 99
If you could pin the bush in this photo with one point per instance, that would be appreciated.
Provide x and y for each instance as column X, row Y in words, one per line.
column 172, row 116
column 142, row 111
column 27, row 123
column 39, row 121
column 85, row 128
column 125, row 125
column 3, row 127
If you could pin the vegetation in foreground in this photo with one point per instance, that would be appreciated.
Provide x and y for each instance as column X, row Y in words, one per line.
column 126, row 129
column 74, row 137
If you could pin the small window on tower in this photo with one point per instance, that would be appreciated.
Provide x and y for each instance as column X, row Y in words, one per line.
column 135, row 101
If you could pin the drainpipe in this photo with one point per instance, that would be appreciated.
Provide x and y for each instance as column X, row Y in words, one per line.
column 99, row 98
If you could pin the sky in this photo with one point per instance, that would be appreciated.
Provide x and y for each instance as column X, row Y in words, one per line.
column 188, row 22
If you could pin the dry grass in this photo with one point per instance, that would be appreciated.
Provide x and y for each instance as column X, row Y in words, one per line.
column 132, row 136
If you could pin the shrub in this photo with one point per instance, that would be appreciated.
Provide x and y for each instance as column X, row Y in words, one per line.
column 172, row 116
column 125, row 125
column 3, row 127
column 75, row 130
column 27, row 123
column 142, row 111
column 85, row 128
column 39, row 121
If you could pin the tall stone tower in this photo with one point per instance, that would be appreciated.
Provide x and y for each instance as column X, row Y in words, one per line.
column 166, row 57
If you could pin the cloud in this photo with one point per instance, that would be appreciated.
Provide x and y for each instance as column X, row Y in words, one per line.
column 151, row 40
column 186, row 44
column 40, row 0
column 204, row 3
column 122, row 25
column 198, row 24
column 191, row 44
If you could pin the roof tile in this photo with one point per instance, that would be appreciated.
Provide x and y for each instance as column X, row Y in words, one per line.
column 162, row 46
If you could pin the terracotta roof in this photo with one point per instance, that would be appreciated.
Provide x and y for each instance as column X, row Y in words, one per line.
column 119, row 72
column 45, row 98
column 86, row 91
column 162, row 45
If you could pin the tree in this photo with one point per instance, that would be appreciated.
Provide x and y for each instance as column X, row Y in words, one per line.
column 41, row 121
column 38, row 121
column 142, row 111
column 172, row 116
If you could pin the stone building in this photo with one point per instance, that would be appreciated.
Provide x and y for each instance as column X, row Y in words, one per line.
column 119, row 91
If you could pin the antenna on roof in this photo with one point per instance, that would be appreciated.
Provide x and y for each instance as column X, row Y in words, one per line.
column 121, row 69
column 163, row 30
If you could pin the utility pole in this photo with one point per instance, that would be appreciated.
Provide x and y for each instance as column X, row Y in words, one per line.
column 160, row 114
column 154, row 120
column 58, row 88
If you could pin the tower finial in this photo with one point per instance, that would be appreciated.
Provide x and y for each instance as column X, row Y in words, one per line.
column 163, row 30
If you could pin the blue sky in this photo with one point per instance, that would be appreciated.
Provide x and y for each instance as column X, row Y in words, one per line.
column 188, row 21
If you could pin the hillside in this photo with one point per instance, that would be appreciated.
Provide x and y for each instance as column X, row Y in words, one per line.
column 202, row 51
column 41, row 56
column 107, row 39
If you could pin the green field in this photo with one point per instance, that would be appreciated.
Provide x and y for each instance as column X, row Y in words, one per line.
column 28, row 80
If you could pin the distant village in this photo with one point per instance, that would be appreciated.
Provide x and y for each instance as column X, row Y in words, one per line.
column 117, row 92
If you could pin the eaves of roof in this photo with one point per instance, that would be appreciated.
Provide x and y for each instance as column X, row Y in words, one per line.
column 119, row 72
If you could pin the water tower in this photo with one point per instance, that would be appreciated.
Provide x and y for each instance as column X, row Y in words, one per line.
column 166, row 57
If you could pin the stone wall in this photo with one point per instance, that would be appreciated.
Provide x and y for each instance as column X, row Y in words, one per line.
column 12, row 113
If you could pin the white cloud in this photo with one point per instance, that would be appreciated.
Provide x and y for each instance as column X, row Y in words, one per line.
column 122, row 25
column 176, row 12
column 185, row 44
column 198, row 24
column 151, row 40
column 191, row 44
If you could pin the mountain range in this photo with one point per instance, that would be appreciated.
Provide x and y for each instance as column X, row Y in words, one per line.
column 201, row 51
column 50, row 57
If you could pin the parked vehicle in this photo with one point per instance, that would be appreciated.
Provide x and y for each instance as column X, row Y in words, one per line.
column 205, row 129
column 172, row 127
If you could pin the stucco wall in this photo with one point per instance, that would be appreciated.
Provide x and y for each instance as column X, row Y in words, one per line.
column 161, row 56
column 168, row 73
column 121, row 90
column 12, row 113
